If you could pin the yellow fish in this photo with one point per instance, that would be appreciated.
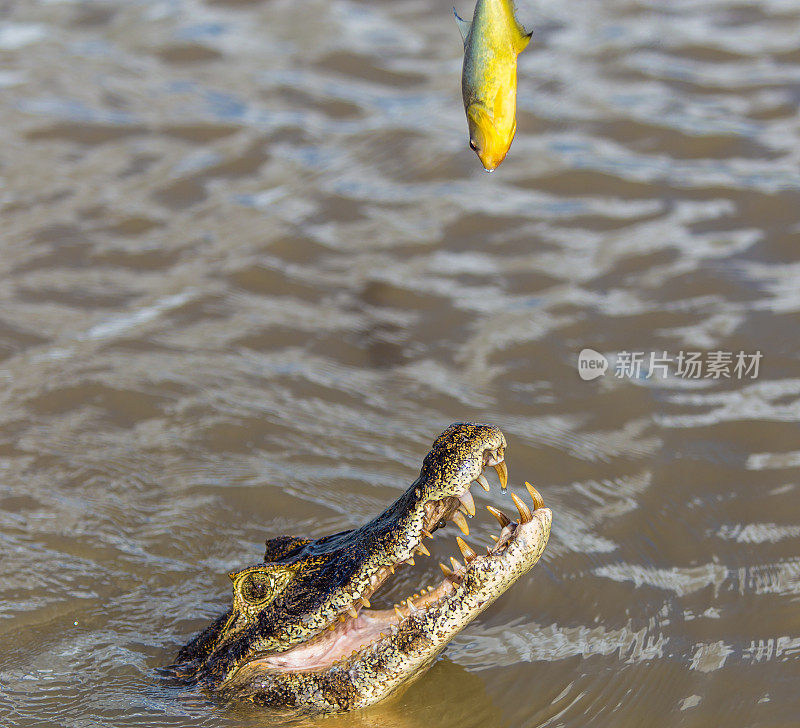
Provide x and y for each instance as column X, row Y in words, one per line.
column 492, row 42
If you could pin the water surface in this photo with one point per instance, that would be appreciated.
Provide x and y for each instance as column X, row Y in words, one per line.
column 250, row 269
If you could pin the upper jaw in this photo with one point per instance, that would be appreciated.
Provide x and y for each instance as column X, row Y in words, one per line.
column 434, row 501
column 402, row 547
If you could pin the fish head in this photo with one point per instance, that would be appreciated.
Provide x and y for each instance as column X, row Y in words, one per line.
column 486, row 139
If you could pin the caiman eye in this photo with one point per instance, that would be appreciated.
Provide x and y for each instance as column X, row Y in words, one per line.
column 256, row 588
column 472, row 146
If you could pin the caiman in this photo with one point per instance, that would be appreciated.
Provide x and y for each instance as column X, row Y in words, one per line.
column 301, row 632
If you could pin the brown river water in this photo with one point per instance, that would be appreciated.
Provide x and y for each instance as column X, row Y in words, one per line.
column 249, row 269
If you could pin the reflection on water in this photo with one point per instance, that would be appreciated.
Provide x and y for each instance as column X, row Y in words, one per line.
column 250, row 269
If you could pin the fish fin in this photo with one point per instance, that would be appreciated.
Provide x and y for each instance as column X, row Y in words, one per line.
column 522, row 39
column 463, row 25
column 521, row 36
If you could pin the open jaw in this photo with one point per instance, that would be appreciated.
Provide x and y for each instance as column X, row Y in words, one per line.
column 301, row 631
column 367, row 654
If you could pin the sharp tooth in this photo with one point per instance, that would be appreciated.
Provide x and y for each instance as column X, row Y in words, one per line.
column 365, row 602
column 493, row 537
column 411, row 606
column 446, row 570
column 524, row 512
column 426, row 532
column 397, row 611
column 410, row 560
column 499, row 515
column 332, row 627
column 538, row 501
column 483, row 482
column 466, row 551
column 342, row 618
column 457, row 566
column 352, row 612
column 502, row 473
column 423, row 550
column 461, row 522
column 468, row 502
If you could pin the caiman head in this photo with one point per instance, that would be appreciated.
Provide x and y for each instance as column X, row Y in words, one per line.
column 301, row 632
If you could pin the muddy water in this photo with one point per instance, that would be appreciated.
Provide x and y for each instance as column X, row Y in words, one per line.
column 250, row 269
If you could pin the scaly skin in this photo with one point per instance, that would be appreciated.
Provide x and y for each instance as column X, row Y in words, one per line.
column 489, row 78
column 287, row 639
